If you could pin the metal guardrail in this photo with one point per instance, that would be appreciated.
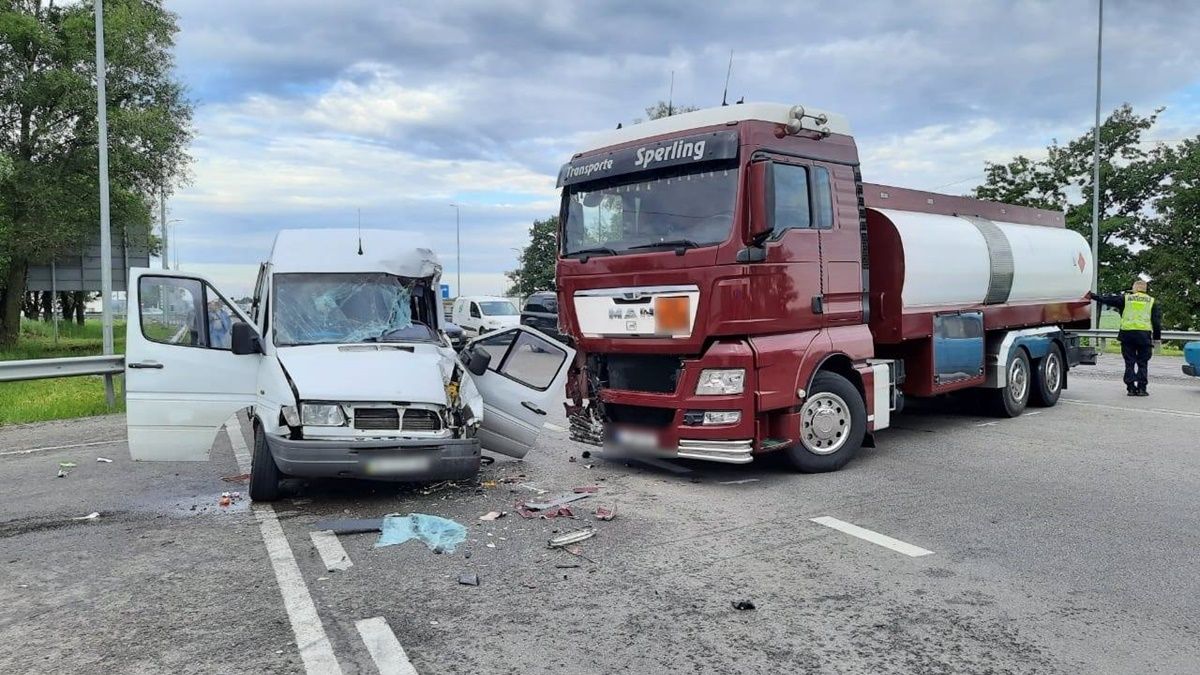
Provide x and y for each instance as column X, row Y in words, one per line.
column 68, row 366
column 1111, row 334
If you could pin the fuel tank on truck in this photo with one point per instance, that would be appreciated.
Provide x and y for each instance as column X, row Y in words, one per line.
column 1020, row 266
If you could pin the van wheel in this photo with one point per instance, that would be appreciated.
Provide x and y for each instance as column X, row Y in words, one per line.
column 264, row 473
column 1048, row 378
column 1010, row 400
column 833, row 422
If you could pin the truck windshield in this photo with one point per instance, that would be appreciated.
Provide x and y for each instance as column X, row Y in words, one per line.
column 345, row 308
column 674, row 209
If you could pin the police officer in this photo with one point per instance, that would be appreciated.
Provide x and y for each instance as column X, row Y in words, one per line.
column 1141, row 331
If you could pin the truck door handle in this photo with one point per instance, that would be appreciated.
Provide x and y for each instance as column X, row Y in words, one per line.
column 146, row 364
column 533, row 408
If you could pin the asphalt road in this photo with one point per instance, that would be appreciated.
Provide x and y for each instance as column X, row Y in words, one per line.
column 1063, row 541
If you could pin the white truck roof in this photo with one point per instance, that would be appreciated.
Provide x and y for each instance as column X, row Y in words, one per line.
column 779, row 113
column 404, row 254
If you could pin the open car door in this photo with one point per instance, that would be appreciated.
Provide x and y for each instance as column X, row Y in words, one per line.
column 182, row 379
column 524, row 378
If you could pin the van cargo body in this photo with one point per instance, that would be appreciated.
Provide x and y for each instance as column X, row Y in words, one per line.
column 733, row 287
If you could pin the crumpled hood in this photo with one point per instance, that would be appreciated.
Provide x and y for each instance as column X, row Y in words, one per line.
column 367, row 372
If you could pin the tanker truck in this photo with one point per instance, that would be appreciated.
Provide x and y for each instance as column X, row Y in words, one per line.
column 734, row 288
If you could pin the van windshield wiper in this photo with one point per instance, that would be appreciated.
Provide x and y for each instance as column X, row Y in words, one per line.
column 585, row 253
column 670, row 243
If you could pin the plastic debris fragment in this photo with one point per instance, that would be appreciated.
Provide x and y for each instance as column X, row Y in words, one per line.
column 605, row 512
column 742, row 605
column 104, row 460
column 468, row 579
column 573, row 537
column 438, row 534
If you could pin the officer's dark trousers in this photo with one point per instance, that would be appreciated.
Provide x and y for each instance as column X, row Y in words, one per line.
column 1136, row 349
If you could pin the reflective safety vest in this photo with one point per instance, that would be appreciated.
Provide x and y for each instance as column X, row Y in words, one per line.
column 1138, row 308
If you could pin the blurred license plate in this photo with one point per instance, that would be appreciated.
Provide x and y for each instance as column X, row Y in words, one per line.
column 636, row 438
column 386, row 466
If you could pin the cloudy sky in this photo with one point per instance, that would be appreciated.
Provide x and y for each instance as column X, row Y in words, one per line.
column 308, row 110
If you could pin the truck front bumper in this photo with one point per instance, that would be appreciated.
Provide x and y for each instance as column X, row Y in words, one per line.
column 397, row 459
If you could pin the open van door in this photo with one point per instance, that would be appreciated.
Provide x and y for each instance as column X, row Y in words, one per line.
column 182, row 377
column 523, row 379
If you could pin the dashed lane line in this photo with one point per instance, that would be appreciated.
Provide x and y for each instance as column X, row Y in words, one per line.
column 1160, row 411
column 873, row 537
column 315, row 649
column 385, row 649
column 332, row 553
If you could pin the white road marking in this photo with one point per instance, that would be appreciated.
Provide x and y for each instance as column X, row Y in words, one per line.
column 987, row 424
column 738, row 482
column 385, row 649
column 1035, row 412
column 873, row 537
column 62, row 447
column 315, row 649
column 1160, row 411
column 332, row 553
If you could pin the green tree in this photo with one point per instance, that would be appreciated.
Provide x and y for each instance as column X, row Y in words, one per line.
column 49, row 198
column 1171, row 236
column 535, row 271
column 664, row 109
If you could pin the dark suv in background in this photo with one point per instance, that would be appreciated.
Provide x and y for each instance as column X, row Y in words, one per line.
column 540, row 311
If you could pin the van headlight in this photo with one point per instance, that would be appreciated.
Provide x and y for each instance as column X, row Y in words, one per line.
column 322, row 415
column 714, row 382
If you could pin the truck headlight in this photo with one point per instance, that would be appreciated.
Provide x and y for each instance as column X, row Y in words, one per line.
column 714, row 382
column 322, row 415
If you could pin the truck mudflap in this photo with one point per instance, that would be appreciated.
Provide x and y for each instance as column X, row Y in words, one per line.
column 1078, row 355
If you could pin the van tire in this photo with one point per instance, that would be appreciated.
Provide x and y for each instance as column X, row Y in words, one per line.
column 1048, row 377
column 1011, row 399
column 265, row 475
column 829, row 446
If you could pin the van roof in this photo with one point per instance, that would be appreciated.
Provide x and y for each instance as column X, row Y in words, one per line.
column 484, row 298
column 404, row 254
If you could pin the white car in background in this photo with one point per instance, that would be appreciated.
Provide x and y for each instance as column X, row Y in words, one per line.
column 480, row 314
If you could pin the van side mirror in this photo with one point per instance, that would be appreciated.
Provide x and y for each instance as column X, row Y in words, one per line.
column 478, row 361
column 243, row 339
column 760, row 189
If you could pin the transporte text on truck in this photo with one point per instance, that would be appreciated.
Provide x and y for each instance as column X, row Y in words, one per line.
column 733, row 287
column 342, row 365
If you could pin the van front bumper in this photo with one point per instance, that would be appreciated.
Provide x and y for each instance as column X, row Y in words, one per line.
column 396, row 459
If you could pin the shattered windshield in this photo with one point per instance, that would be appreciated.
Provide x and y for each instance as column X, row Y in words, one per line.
column 345, row 308
column 686, row 208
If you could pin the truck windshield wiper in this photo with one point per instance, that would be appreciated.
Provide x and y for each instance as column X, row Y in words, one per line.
column 678, row 244
column 585, row 253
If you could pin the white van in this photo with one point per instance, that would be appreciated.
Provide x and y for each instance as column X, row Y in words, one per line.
column 341, row 363
column 479, row 314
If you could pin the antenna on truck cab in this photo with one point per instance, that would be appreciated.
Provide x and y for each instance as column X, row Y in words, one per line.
column 728, row 71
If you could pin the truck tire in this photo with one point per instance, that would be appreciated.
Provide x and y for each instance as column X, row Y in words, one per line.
column 1048, row 378
column 1011, row 399
column 264, row 473
column 833, row 422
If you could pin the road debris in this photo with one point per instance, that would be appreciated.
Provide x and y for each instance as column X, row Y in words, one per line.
column 531, row 488
column 350, row 525
column 104, row 460
column 91, row 516
column 436, row 487
column 586, row 489
column 567, row 566
column 468, row 579
column 742, row 605
column 556, row 502
column 573, row 537
column 67, row 465
column 605, row 512
column 61, row 474
column 439, row 534
column 491, row 545
column 493, row 515
column 738, row 482
column 240, row 478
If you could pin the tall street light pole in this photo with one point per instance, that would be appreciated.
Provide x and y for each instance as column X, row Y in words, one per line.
column 106, row 320
column 1096, row 170
column 162, row 219
column 458, row 248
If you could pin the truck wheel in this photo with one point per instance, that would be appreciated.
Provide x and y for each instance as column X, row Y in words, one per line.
column 264, row 473
column 833, row 422
column 1048, row 378
column 1010, row 400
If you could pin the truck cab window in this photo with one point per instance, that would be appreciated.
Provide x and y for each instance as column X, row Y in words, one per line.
column 791, row 198
column 822, row 199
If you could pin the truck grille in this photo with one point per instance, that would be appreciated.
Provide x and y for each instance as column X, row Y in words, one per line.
column 418, row 419
column 377, row 418
column 652, row 373
column 639, row 415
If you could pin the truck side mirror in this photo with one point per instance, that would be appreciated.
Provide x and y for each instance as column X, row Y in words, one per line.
column 244, row 340
column 478, row 361
column 760, row 189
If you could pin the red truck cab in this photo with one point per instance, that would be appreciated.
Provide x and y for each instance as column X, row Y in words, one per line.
column 715, row 274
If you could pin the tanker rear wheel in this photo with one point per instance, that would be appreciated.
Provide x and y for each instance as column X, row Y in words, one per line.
column 1011, row 399
column 833, row 423
column 1048, row 378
